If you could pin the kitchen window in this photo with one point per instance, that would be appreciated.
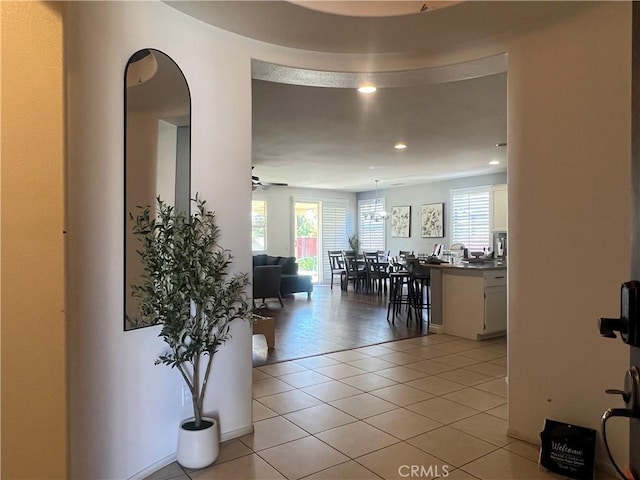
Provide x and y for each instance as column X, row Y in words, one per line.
column 371, row 225
column 470, row 218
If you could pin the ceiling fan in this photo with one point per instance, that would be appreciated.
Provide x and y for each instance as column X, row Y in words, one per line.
column 256, row 183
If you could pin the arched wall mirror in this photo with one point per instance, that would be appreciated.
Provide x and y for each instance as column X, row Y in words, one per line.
column 157, row 118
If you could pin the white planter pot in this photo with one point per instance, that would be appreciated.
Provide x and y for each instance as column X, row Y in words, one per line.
column 198, row 448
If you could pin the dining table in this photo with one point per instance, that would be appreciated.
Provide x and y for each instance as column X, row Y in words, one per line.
column 361, row 264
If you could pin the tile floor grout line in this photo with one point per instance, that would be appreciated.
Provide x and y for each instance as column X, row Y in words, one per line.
column 272, row 466
column 407, row 443
column 452, row 425
column 466, row 463
column 366, row 420
column 341, row 350
column 349, row 460
column 480, row 428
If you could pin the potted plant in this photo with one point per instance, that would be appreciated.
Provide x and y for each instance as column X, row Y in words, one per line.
column 353, row 242
column 186, row 287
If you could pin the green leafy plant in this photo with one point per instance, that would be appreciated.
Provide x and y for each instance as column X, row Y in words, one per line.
column 187, row 288
column 306, row 227
column 307, row 264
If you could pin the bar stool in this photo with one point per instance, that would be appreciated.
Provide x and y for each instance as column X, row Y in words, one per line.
column 397, row 296
column 421, row 281
column 420, row 292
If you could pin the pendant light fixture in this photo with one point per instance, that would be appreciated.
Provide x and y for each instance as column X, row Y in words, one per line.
column 376, row 215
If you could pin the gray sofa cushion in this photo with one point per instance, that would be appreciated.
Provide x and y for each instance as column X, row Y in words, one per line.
column 259, row 260
column 291, row 281
column 273, row 260
column 289, row 265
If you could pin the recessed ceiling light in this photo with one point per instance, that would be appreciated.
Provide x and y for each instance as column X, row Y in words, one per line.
column 400, row 146
column 494, row 162
column 367, row 88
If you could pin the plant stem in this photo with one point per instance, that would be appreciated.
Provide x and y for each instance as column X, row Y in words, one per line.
column 185, row 377
column 205, row 380
column 195, row 393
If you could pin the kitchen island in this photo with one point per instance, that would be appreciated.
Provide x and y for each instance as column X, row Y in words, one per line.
column 469, row 300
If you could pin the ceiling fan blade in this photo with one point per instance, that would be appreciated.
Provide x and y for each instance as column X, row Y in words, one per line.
column 275, row 184
column 255, row 183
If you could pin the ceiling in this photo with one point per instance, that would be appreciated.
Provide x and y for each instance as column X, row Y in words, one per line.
column 292, row 25
column 338, row 138
column 326, row 137
column 375, row 8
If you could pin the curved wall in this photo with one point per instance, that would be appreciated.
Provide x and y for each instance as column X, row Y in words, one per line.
column 125, row 410
column 569, row 152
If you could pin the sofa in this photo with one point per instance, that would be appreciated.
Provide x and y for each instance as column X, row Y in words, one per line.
column 291, row 281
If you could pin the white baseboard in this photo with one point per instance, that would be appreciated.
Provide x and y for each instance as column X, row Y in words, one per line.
column 436, row 328
column 236, row 433
column 534, row 439
column 142, row 474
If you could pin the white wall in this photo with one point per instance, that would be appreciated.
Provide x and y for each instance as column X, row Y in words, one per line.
column 280, row 216
column 569, row 151
column 569, row 191
column 418, row 195
column 126, row 410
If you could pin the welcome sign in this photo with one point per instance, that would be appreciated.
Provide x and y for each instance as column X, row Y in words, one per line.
column 568, row 449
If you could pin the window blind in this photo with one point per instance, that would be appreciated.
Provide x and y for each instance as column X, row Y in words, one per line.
column 470, row 217
column 371, row 229
column 333, row 233
column 259, row 225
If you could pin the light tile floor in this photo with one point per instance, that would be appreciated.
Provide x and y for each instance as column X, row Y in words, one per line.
column 436, row 404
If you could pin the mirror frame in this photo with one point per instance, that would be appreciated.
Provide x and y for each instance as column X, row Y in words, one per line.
column 133, row 323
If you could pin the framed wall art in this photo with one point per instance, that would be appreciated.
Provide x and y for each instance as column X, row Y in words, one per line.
column 401, row 221
column 433, row 220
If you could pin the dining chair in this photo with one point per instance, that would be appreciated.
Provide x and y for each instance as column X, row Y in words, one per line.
column 394, row 264
column 377, row 274
column 404, row 253
column 384, row 255
column 336, row 264
column 354, row 271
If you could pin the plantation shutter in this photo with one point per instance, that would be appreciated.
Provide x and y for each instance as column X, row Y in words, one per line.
column 470, row 218
column 334, row 234
column 259, row 226
column 371, row 229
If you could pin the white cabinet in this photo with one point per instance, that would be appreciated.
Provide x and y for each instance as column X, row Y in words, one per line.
column 495, row 309
column 475, row 303
column 499, row 208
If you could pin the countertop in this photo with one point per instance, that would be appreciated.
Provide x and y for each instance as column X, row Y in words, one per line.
column 462, row 265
